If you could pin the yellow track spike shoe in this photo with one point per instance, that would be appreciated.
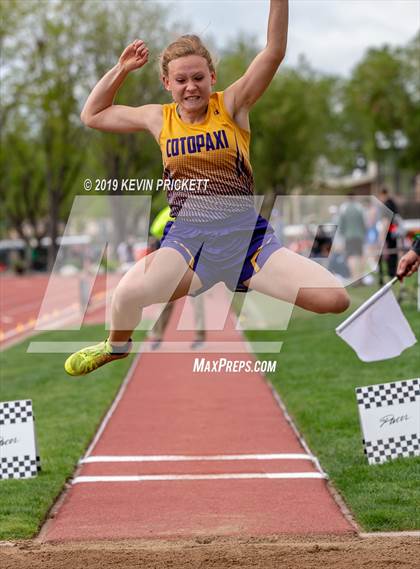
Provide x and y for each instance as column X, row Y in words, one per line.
column 88, row 359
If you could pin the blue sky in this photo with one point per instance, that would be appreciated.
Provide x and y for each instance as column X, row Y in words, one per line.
column 333, row 34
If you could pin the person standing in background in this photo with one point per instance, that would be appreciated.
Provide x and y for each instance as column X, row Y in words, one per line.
column 390, row 252
column 352, row 226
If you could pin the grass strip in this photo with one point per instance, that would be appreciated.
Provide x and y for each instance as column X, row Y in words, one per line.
column 68, row 412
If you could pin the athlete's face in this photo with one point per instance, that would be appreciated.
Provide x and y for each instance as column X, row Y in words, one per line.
column 190, row 81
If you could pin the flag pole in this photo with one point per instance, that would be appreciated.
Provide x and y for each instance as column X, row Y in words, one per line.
column 366, row 305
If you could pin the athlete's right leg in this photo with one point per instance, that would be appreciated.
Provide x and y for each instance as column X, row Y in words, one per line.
column 162, row 276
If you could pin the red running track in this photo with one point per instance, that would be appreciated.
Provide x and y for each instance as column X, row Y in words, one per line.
column 21, row 299
column 195, row 454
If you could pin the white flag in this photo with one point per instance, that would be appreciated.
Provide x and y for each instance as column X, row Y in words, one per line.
column 378, row 330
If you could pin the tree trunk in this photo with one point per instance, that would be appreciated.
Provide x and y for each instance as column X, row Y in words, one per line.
column 54, row 206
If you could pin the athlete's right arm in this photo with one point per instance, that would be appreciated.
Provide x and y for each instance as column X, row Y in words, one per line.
column 99, row 111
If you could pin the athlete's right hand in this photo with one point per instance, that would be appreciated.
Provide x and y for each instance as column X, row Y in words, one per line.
column 134, row 56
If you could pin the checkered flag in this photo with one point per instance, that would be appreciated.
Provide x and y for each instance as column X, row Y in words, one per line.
column 18, row 467
column 390, row 419
column 12, row 412
column 388, row 393
column 18, row 449
column 401, row 447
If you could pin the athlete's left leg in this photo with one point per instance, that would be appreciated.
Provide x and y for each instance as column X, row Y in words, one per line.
column 298, row 280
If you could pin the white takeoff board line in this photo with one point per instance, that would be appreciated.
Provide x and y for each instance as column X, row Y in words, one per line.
column 188, row 458
column 172, row 477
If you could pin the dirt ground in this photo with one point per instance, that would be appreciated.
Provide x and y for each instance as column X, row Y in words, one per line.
column 277, row 552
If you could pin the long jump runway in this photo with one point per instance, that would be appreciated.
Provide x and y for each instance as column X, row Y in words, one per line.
column 185, row 454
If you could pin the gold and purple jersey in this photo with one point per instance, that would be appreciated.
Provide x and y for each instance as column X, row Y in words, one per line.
column 207, row 172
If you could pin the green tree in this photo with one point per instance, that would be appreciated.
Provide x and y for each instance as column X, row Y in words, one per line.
column 292, row 128
column 409, row 57
column 291, row 123
column 133, row 155
column 381, row 103
column 41, row 86
column 26, row 205
column 53, row 54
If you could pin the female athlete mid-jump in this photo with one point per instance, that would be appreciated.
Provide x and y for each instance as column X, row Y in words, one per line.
column 217, row 234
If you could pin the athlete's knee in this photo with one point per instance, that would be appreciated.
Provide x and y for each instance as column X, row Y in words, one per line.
column 129, row 294
column 333, row 300
column 338, row 301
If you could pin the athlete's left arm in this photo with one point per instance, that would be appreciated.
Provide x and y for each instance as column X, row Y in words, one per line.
column 242, row 94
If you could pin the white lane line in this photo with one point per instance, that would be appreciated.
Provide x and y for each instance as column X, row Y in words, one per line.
column 185, row 458
column 288, row 418
column 171, row 477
